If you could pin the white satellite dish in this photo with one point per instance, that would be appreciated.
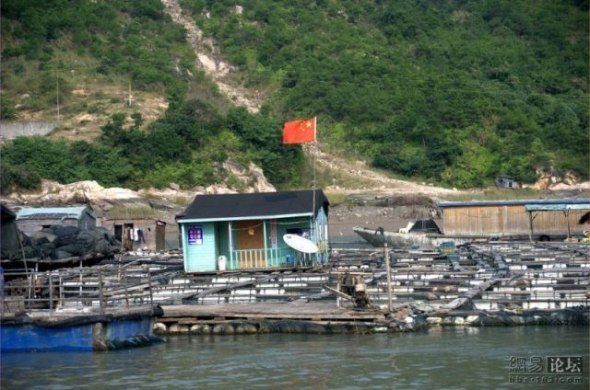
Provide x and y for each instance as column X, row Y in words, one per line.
column 300, row 244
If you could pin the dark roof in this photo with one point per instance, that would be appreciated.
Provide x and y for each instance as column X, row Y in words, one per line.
column 515, row 202
column 7, row 214
column 425, row 225
column 261, row 204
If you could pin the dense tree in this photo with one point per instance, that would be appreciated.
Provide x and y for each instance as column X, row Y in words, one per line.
column 416, row 76
column 452, row 91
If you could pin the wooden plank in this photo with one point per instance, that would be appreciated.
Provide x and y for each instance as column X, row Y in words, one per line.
column 228, row 287
column 268, row 311
column 338, row 293
column 469, row 295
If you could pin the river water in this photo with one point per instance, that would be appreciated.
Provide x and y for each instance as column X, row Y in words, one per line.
column 469, row 358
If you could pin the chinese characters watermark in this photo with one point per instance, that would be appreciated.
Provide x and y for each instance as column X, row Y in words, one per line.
column 546, row 369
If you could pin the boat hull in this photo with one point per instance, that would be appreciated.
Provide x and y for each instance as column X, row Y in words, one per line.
column 378, row 238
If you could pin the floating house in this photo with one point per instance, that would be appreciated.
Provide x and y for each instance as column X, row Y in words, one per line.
column 536, row 219
column 140, row 233
column 33, row 219
column 138, row 227
column 245, row 231
column 507, row 182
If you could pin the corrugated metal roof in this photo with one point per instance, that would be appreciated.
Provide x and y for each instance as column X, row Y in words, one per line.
column 516, row 202
column 557, row 207
column 51, row 212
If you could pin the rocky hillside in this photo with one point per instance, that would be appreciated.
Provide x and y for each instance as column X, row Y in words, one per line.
column 452, row 94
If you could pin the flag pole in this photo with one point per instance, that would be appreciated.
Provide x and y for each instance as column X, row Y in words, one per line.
column 314, row 163
column 314, row 158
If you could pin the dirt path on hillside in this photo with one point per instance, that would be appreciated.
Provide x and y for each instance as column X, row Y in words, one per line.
column 209, row 60
column 356, row 177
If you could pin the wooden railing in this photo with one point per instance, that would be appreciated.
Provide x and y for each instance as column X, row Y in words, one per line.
column 249, row 258
column 261, row 258
column 75, row 288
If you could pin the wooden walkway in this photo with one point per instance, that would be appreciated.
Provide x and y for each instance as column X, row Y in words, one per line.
column 315, row 311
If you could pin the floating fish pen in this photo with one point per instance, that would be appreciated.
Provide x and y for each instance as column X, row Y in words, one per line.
column 488, row 283
column 476, row 284
column 93, row 308
column 527, row 276
column 242, row 287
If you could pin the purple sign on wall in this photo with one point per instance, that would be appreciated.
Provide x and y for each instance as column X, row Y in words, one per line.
column 195, row 235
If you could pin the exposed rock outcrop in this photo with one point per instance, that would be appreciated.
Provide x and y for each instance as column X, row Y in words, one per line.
column 551, row 179
column 239, row 179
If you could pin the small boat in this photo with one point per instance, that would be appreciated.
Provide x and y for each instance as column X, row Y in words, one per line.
column 422, row 234
column 378, row 237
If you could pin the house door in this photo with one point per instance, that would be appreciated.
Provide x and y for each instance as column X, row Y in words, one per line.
column 119, row 233
column 160, row 235
column 127, row 237
column 250, row 250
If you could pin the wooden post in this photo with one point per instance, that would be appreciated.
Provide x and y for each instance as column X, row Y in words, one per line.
column 531, row 219
column 264, row 238
column 29, row 289
column 150, row 286
column 231, row 246
column 100, row 292
column 338, row 296
column 388, row 270
column 61, row 289
column 80, row 286
column 566, row 213
column 50, row 292
column 126, row 292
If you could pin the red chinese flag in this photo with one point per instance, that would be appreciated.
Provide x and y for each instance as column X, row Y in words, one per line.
column 299, row 131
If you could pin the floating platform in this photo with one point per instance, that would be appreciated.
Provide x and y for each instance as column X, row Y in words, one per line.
column 292, row 317
column 78, row 331
column 500, row 283
column 317, row 311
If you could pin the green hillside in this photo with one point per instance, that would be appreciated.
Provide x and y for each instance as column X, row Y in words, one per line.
column 452, row 91
column 73, row 41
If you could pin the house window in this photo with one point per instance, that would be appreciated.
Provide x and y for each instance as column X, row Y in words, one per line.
column 297, row 231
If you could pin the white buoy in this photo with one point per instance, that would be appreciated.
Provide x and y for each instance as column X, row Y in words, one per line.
column 221, row 263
